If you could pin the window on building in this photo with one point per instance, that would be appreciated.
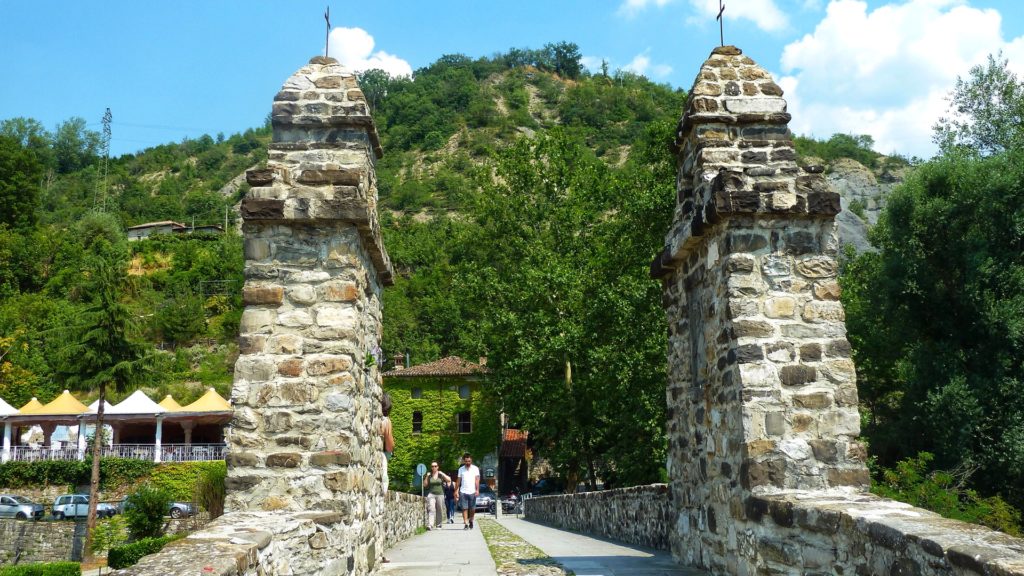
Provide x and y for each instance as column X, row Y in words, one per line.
column 465, row 423
column 417, row 392
column 464, row 391
column 417, row 422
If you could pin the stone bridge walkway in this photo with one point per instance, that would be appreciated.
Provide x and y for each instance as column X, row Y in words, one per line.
column 453, row 551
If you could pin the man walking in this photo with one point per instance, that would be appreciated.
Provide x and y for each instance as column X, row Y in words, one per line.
column 468, row 488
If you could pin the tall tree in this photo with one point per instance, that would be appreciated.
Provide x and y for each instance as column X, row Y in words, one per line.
column 566, row 309
column 104, row 346
column 936, row 318
column 986, row 110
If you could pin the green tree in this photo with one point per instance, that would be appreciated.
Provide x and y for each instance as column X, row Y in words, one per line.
column 936, row 317
column 74, row 146
column 573, row 326
column 986, row 110
column 103, row 344
column 20, row 174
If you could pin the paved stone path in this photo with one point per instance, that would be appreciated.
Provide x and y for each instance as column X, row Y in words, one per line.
column 450, row 551
column 453, row 551
column 588, row 556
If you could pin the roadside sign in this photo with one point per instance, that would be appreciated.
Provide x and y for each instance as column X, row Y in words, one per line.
column 421, row 469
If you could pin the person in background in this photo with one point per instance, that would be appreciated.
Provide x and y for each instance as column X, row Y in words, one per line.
column 434, row 482
column 385, row 431
column 468, row 488
column 449, row 499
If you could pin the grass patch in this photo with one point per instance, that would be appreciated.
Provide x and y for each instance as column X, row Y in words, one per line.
column 512, row 554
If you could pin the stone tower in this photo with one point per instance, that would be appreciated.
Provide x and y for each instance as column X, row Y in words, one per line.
column 307, row 390
column 762, row 394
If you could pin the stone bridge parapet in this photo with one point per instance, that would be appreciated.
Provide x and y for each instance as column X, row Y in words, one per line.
column 641, row 515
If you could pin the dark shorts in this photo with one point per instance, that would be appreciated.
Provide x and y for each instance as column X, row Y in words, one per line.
column 467, row 501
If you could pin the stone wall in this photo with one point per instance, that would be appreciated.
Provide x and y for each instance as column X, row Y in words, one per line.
column 403, row 515
column 641, row 515
column 762, row 394
column 285, row 543
column 822, row 533
column 35, row 541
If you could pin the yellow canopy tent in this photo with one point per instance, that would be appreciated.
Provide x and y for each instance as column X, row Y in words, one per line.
column 63, row 405
column 209, row 402
column 31, row 406
column 170, row 404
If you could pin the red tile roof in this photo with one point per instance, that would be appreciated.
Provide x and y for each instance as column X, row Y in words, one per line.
column 450, row 366
column 513, row 443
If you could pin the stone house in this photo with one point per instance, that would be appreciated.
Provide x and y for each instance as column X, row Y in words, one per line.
column 440, row 410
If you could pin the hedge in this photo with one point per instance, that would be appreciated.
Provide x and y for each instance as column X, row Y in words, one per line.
column 114, row 472
column 48, row 569
column 180, row 477
column 130, row 554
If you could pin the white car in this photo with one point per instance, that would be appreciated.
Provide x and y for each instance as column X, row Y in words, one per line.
column 77, row 506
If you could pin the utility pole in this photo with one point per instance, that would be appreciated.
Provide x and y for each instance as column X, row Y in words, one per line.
column 225, row 219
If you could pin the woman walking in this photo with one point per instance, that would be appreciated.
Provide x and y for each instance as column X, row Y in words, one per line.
column 434, row 483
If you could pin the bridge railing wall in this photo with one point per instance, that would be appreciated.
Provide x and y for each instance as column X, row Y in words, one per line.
column 818, row 532
column 641, row 515
column 277, row 543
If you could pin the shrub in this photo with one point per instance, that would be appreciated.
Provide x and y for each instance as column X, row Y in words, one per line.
column 130, row 554
column 144, row 510
column 858, row 207
column 915, row 482
column 210, row 490
column 109, row 533
column 179, row 478
column 47, row 569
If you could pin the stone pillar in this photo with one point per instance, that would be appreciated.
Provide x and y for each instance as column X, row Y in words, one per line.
column 762, row 394
column 187, row 426
column 305, row 434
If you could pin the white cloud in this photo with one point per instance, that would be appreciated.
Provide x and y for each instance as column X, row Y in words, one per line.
column 887, row 72
column 592, row 63
column 641, row 64
column 763, row 13
column 353, row 48
column 631, row 8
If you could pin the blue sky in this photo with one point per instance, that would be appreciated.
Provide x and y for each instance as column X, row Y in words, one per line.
column 171, row 70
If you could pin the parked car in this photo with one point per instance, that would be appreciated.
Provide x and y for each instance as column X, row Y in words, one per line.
column 174, row 509
column 483, row 501
column 77, row 506
column 12, row 506
column 181, row 509
column 546, row 486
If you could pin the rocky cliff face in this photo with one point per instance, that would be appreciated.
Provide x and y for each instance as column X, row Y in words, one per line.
column 863, row 193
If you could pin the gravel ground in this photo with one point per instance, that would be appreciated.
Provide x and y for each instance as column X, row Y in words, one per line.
column 514, row 556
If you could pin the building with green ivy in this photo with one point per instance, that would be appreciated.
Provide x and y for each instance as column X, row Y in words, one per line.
column 441, row 410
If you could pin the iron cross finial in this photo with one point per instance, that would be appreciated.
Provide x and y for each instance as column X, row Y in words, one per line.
column 327, row 17
column 721, row 21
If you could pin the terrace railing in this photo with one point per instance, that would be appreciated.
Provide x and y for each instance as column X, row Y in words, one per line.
column 168, row 452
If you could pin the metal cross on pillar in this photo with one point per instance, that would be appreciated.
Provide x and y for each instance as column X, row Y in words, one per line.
column 721, row 21
column 327, row 43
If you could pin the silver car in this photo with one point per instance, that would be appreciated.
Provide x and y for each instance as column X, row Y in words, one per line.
column 12, row 506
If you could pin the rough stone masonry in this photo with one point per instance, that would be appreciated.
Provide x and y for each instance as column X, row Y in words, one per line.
column 305, row 458
column 766, row 474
